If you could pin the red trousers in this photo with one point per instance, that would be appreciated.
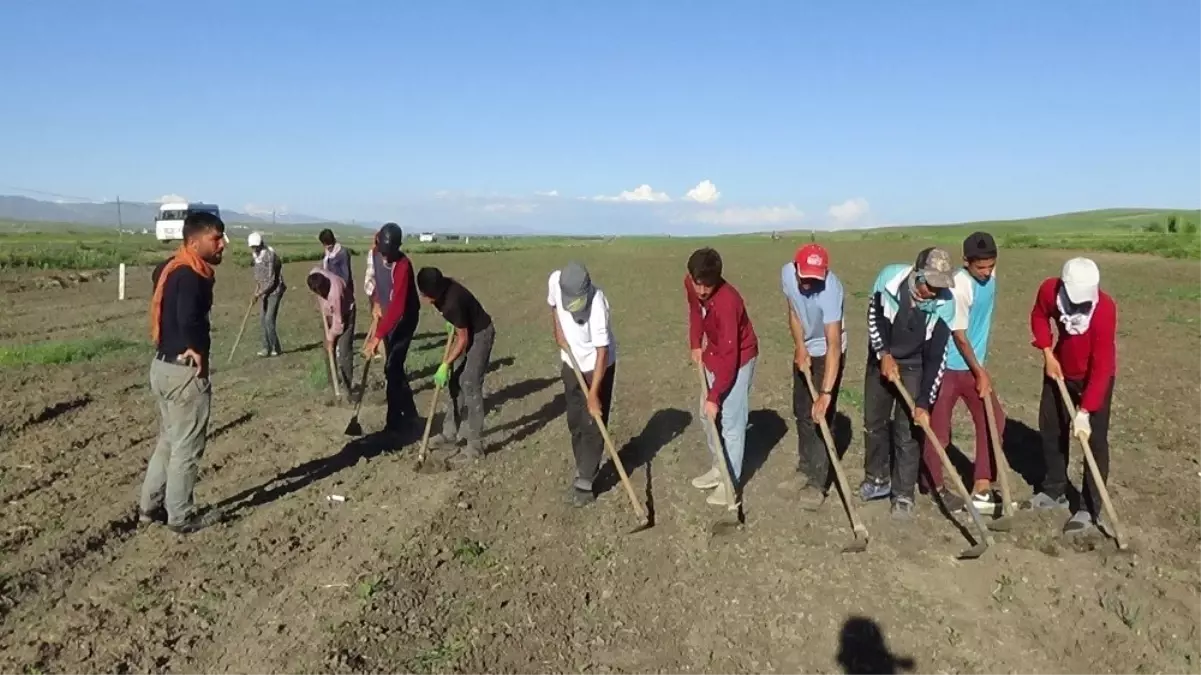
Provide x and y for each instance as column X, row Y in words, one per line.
column 961, row 385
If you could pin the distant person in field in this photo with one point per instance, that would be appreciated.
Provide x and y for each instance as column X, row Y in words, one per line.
column 336, row 304
column 909, row 318
column 269, row 290
column 966, row 379
column 396, row 294
column 580, row 323
column 463, row 370
column 1085, row 357
column 815, row 309
column 723, row 340
column 179, row 373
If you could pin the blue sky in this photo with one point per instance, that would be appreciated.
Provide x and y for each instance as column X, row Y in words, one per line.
column 552, row 115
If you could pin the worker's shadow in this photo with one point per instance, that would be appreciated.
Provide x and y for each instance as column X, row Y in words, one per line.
column 764, row 430
column 661, row 429
column 522, row 428
column 862, row 650
column 302, row 475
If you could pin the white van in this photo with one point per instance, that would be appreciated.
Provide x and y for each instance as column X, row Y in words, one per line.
column 168, row 224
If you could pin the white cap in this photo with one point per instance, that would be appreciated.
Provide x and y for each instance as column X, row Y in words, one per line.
column 1081, row 279
column 256, row 239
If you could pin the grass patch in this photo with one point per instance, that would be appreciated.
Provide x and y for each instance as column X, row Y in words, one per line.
column 440, row 656
column 1190, row 293
column 319, row 371
column 470, row 552
column 55, row 352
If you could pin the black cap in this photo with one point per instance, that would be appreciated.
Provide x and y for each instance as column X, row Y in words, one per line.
column 388, row 241
column 979, row 245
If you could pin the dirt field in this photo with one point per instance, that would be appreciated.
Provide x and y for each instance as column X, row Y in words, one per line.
column 489, row 569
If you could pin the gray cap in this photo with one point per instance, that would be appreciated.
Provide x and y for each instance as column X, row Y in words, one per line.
column 575, row 285
column 934, row 265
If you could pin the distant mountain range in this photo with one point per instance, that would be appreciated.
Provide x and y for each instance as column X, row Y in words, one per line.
column 133, row 215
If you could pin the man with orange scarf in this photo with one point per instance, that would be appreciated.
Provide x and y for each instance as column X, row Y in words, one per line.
column 179, row 373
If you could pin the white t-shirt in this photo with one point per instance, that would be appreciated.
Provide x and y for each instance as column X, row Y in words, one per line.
column 583, row 339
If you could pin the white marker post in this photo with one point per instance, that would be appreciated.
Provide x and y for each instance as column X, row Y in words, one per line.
column 121, row 282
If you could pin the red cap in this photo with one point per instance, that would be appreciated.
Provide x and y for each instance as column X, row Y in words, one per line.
column 812, row 261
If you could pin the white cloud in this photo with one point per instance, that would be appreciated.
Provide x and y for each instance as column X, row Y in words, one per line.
column 743, row 217
column 705, row 192
column 171, row 198
column 552, row 193
column 642, row 193
column 849, row 212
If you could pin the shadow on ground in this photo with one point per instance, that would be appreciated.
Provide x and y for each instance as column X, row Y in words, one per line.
column 528, row 425
column 309, row 472
column 661, row 429
column 765, row 428
column 862, row 650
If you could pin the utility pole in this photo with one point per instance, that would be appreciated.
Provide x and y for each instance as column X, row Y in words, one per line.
column 120, row 227
column 273, row 219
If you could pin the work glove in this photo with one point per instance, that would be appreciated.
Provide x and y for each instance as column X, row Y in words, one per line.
column 1080, row 425
column 450, row 329
column 443, row 375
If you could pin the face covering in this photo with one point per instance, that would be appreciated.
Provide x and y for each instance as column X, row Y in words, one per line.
column 1074, row 317
column 926, row 306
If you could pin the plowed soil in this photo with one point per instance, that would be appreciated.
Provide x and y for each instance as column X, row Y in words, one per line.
column 490, row 569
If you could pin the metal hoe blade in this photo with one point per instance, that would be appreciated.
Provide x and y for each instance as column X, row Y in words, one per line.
column 973, row 552
column 859, row 543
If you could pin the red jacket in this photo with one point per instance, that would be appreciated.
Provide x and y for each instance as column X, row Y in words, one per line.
column 728, row 331
column 1091, row 356
column 402, row 275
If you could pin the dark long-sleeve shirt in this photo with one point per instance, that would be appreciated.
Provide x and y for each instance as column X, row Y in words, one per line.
column 1091, row 356
column 404, row 305
column 723, row 321
column 184, row 319
column 912, row 336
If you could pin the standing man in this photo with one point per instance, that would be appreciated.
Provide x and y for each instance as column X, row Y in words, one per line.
column 337, row 262
column 975, row 294
column 1085, row 357
column 396, row 294
column 466, row 363
column 179, row 373
column 269, row 289
column 376, row 261
column 580, row 322
column 337, row 312
column 815, row 305
column 717, row 313
column 909, row 320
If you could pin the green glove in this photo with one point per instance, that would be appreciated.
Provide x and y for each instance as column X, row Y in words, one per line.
column 450, row 329
column 443, row 375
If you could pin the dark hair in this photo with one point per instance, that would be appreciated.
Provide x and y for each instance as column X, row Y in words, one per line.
column 199, row 222
column 704, row 266
column 319, row 284
column 979, row 246
column 430, row 282
column 327, row 237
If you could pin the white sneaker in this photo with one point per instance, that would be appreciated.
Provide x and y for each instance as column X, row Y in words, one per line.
column 720, row 497
column 708, row 480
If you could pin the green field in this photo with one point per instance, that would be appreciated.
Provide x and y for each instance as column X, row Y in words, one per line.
column 1162, row 232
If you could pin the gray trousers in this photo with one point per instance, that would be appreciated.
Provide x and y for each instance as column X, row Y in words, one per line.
column 344, row 351
column 184, row 402
column 268, row 311
column 467, row 389
column 902, row 449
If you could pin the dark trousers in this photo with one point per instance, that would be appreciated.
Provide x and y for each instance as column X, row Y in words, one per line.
column 268, row 313
column 811, row 448
column 1055, row 427
column 881, row 405
column 402, row 409
column 344, row 351
column 587, row 444
column 467, row 389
